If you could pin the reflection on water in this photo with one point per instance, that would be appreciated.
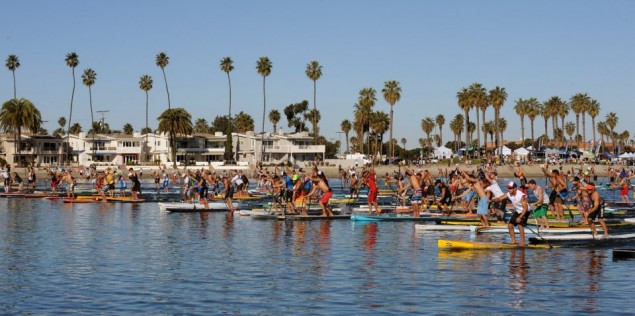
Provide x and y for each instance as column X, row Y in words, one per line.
column 133, row 259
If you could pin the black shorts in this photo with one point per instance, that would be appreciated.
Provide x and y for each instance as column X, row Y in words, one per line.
column 229, row 193
column 288, row 196
column 599, row 213
column 111, row 187
column 523, row 221
column 552, row 197
column 202, row 192
column 136, row 187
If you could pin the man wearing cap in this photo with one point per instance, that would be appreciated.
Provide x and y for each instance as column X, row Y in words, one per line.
column 520, row 214
column 596, row 210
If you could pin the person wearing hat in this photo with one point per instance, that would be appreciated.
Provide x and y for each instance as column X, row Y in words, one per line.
column 370, row 180
column 321, row 183
column 596, row 211
column 519, row 215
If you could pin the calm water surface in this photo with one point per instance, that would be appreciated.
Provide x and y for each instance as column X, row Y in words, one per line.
column 133, row 259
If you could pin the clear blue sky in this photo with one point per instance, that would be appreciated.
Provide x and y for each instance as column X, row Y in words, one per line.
column 433, row 48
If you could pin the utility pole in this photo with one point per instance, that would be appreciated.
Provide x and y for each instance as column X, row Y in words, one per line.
column 101, row 124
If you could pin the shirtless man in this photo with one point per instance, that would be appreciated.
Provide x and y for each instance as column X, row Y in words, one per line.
column 445, row 200
column 371, row 182
column 417, row 193
column 321, row 183
column 596, row 211
column 479, row 185
column 229, row 193
column 558, row 191
column 70, row 181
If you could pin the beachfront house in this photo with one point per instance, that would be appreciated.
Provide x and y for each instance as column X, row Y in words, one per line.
column 274, row 148
column 33, row 149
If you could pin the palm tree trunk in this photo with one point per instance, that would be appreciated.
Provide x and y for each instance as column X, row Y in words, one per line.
column 583, row 129
column 467, row 133
column 347, row 144
column 577, row 129
column 314, row 112
column 264, row 110
column 147, row 132
column 546, row 130
column 484, row 135
column 70, row 117
column 478, row 131
column 392, row 146
column 593, row 127
column 92, row 119
column 522, row 129
column 229, row 146
column 533, row 144
column 165, row 79
column 14, row 90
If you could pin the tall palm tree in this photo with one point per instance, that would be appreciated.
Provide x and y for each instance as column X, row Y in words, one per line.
column 145, row 84
column 314, row 72
column 611, row 120
column 17, row 115
column 274, row 118
column 563, row 111
column 489, row 128
column 314, row 117
column 263, row 66
column 440, row 121
column 392, row 95
column 174, row 122
column 403, row 143
column 13, row 63
column 570, row 129
column 456, row 126
column 88, row 78
column 593, row 110
column 603, row 130
column 72, row 61
column 478, row 98
column 578, row 104
column 162, row 60
column 521, row 108
column 363, row 110
column 227, row 65
column 545, row 112
column 551, row 110
column 496, row 99
column 534, row 108
column 346, row 128
column 502, row 127
column 379, row 122
column 465, row 104
column 427, row 125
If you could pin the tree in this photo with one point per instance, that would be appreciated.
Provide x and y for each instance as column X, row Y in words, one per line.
column 263, row 66
column 227, row 66
column 200, row 126
column 18, row 115
column 579, row 103
column 162, row 60
column 502, row 127
column 496, row 99
column 570, row 129
column 465, row 104
column 456, row 126
column 314, row 117
column 88, row 78
column 72, row 61
column 427, row 125
column 363, row 109
column 145, row 84
column 521, row 109
column 175, row 121
column 440, row 121
column 392, row 95
column 220, row 124
column 545, row 112
column 274, row 118
column 379, row 122
column 13, row 63
column 128, row 129
column 478, row 98
column 314, row 72
column 593, row 110
column 489, row 128
column 61, row 121
column 243, row 122
column 534, row 108
column 611, row 120
column 75, row 129
column 403, row 143
column 346, row 128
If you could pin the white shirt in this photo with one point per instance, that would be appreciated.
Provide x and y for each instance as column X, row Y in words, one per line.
column 495, row 189
column 517, row 200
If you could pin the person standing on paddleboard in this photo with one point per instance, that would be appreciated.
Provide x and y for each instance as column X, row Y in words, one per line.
column 558, row 191
column 478, row 185
column 520, row 214
column 597, row 210
column 541, row 204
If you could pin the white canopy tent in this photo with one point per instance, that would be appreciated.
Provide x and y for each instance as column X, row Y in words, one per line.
column 504, row 150
column 442, row 152
column 521, row 153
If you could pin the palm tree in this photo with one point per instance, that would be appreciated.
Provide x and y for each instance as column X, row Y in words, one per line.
column 227, row 65
column 603, row 130
column 61, row 121
column 593, row 110
column 427, row 125
column 471, row 128
column 128, row 129
column 534, row 108
column 13, row 63
column 392, row 95
column 379, row 122
column 263, row 66
column 478, row 97
column 502, row 127
column 314, row 117
column 489, row 128
column 346, row 128
column 570, row 129
column 314, row 72
column 440, row 121
column 363, row 109
column 545, row 112
column 496, row 99
column 578, row 106
column 72, row 61
column 456, row 126
column 243, row 122
column 145, row 84
column 562, row 111
column 88, row 78
column 16, row 115
column 274, row 118
column 403, row 143
column 174, row 122
column 521, row 108
column 611, row 120
column 162, row 60
column 75, row 129
column 465, row 104
column 201, row 126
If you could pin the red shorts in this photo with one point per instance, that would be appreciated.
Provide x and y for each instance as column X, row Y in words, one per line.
column 326, row 197
column 624, row 191
column 372, row 195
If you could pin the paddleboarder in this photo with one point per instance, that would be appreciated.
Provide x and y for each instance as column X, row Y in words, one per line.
column 321, row 183
column 541, row 204
column 520, row 214
column 597, row 210
column 558, row 191
column 417, row 193
column 478, row 185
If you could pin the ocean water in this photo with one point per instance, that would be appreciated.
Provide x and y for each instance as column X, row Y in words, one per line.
column 133, row 259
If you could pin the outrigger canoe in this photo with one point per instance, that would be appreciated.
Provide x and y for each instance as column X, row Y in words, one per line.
column 474, row 245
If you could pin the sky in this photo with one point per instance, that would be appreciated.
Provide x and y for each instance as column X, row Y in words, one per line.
column 433, row 49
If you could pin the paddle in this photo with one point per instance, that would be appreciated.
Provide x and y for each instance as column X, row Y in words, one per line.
column 537, row 234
